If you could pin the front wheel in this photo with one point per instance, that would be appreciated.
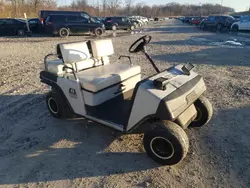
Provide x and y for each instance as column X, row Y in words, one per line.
column 132, row 28
column 219, row 27
column 167, row 144
column 202, row 26
column 98, row 32
column 63, row 32
column 114, row 28
column 235, row 28
column 20, row 32
column 204, row 112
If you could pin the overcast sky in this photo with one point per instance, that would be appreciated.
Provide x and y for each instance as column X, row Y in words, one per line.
column 238, row 5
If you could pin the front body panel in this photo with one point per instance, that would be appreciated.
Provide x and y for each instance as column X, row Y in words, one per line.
column 181, row 92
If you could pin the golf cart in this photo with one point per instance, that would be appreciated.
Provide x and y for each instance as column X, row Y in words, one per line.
column 85, row 83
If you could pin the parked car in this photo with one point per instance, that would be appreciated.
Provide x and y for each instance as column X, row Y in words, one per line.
column 196, row 20
column 136, row 21
column 43, row 15
column 217, row 22
column 242, row 25
column 114, row 23
column 186, row 19
column 9, row 26
column 65, row 25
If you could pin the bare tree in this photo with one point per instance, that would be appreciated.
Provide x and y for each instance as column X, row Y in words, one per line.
column 128, row 4
column 104, row 7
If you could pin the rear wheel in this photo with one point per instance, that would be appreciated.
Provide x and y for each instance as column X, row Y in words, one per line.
column 20, row 32
column 204, row 112
column 167, row 144
column 57, row 106
column 63, row 32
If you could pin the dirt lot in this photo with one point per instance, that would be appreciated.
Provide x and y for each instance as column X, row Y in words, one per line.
column 37, row 150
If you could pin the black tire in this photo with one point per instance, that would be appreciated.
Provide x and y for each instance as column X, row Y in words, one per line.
column 167, row 144
column 114, row 27
column 202, row 26
column 219, row 27
column 63, row 32
column 204, row 112
column 98, row 32
column 235, row 28
column 20, row 32
column 57, row 106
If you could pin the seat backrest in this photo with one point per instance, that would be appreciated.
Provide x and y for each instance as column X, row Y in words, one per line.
column 74, row 51
column 77, row 55
column 101, row 49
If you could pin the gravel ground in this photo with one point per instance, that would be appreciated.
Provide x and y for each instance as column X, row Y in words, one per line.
column 37, row 150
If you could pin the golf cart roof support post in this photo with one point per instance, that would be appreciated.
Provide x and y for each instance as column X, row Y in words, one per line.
column 150, row 59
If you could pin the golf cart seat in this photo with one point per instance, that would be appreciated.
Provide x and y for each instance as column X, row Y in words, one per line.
column 95, row 71
column 101, row 77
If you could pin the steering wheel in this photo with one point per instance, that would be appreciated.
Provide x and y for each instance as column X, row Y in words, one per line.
column 143, row 42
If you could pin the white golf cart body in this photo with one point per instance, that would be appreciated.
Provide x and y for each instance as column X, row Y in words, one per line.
column 113, row 94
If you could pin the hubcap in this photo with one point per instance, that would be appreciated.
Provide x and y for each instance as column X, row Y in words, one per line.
column 162, row 148
column 64, row 32
column 53, row 105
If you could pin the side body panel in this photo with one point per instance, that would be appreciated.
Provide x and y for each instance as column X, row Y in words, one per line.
column 72, row 91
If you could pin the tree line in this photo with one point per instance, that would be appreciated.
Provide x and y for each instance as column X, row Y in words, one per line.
column 16, row 8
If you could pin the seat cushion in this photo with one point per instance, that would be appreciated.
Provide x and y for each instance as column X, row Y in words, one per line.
column 98, row 78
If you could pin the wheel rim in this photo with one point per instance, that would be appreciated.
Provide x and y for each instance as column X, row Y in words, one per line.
column 219, row 27
column 162, row 148
column 64, row 32
column 53, row 106
column 113, row 27
column 132, row 28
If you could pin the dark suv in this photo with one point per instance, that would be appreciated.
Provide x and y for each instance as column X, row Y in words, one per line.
column 114, row 23
column 65, row 25
column 217, row 22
